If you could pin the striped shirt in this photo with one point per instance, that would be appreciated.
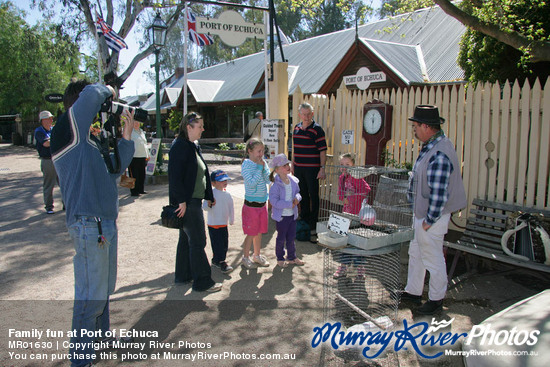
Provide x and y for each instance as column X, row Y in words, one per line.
column 438, row 175
column 308, row 144
column 256, row 179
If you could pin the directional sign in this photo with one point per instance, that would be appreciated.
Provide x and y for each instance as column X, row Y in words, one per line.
column 54, row 98
column 231, row 27
column 364, row 77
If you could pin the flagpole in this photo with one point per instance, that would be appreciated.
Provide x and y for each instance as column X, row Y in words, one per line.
column 98, row 51
column 266, row 78
column 186, row 34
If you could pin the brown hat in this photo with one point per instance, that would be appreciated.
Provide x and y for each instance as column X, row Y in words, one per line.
column 427, row 114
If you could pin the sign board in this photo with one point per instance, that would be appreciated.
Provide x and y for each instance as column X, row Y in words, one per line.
column 153, row 159
column 364, row 77
column 273, row 136
column 347, row 137
column 231, row 27
column 54, row 98
column 338, row 224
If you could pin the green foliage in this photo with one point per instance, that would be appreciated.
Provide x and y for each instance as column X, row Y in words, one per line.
column 174, row 119
column 240, row 146
column 35, row 61
column 484, row 59
column 223, row 146
column 390, row 161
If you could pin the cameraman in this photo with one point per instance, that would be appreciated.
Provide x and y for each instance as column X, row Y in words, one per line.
column 90, row 193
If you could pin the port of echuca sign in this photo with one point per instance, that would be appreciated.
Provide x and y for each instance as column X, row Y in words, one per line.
column 231, row 27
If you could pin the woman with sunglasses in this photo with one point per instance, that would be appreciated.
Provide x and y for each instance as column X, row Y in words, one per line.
column 189, row 184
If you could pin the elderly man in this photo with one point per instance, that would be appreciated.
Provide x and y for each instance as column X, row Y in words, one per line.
column 438, row 191
column 42, row 139
column 308, row 162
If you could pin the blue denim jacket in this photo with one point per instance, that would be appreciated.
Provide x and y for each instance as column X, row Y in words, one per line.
column 277, row 197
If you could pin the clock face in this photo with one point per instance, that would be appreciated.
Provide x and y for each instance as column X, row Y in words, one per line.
column 372, row 122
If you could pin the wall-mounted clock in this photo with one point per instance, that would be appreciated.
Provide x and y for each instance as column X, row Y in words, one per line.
column 372, row 122
column 377, row 121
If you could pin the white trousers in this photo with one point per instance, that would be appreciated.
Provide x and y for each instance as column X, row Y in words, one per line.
column 426, row 253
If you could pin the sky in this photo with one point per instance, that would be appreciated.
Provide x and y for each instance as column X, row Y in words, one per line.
column 137, row 83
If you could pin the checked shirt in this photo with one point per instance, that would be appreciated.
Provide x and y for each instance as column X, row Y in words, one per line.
column 438, row 174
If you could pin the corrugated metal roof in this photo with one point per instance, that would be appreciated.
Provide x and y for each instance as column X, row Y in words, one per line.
column 404, row 60
column 421, row 46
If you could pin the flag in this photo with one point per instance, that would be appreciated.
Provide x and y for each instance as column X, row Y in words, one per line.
column 199, row 39
column 284, row 39
column 114, row 41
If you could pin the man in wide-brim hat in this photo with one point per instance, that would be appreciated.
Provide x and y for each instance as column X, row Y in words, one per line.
column 438, row 191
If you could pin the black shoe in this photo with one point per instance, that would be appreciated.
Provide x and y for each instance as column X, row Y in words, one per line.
column 411, row 298
column 143, row 192
column 430, row 307
column 225, row 268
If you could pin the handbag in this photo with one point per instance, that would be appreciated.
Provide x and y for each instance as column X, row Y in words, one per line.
column 169, row 217
column 126, row 181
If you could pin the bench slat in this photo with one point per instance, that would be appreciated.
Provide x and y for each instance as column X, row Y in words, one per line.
column 486, row 213
column 472, row 249
column 486, row 222
column 494, row 232
column 481, row 243
column 509, row 207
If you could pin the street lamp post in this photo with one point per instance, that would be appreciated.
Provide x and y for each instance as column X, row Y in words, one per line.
column 158, row 35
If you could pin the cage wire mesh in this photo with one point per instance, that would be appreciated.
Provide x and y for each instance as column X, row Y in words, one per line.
column 361, row 268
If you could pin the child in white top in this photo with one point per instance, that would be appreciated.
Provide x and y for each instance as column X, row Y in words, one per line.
column 219, row 215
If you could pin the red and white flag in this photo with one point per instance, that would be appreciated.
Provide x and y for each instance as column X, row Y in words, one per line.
column 198, row 38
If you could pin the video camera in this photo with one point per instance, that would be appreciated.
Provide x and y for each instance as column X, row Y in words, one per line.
column 116, row 108
column 106, row 137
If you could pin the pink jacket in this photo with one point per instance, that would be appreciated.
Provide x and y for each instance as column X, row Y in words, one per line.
column 353, row 189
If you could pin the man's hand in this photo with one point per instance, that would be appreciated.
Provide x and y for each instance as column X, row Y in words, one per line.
column 180, row 211
column 127, row 119
column 321, row 175
column 425, row 225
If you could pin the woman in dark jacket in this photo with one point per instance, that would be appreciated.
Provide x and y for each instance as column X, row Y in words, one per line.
column 189, row 184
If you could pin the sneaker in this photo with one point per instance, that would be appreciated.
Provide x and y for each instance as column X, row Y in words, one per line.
column 430, row 307
column 260, row 260
column 411, row 297
column 217, row 265
column 282, row 264
column 50, row 211
column 296, row 261
column 215, row 288
column 247, row 263
column 341, row 272
column 225, row 267
column 109, row 342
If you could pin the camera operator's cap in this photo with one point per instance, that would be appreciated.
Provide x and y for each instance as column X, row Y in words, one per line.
column 44, row 115
column 219, row 175
column 427, row 114
column 278, row 161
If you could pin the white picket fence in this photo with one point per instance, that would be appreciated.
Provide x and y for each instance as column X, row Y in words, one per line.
column 501, row 134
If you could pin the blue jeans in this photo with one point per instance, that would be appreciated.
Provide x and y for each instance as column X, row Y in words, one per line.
column 95, row 267
column 191, row 260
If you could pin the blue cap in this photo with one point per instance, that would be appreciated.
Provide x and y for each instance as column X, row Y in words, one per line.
column 219, row 175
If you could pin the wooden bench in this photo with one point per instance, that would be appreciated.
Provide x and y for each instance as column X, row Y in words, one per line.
column 484, row 229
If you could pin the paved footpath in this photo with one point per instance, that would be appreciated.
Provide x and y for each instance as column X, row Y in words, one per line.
column 260, row 317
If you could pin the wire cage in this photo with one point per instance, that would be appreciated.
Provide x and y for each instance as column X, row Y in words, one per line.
column 362, row 264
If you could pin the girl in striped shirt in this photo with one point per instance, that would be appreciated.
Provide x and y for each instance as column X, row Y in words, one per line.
column 255, row 172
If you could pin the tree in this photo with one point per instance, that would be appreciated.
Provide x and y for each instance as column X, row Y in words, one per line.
column 34, row 61
column 505, row 39
column 79, row 17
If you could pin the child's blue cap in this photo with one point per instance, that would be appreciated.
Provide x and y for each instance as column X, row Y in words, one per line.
column 219, row 175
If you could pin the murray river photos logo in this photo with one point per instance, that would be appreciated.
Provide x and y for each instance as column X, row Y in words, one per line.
column 372, row 341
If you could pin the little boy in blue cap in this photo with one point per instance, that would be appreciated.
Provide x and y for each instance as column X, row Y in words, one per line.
column 220, row 214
